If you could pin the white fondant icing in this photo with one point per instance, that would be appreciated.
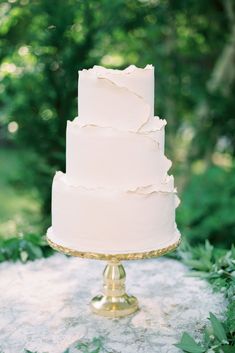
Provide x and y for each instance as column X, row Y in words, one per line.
column 116, row 196
column 106, row 157
column 103, row 220
column 121, row 100
column 155, row 129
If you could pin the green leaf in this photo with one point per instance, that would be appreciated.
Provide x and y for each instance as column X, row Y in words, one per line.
column 218, row 328
column 24, row 256
column 189, row 345
column 81, row 345
column 228, row 349
column 207, row 338
column 233, row 251
column 96, row 350
column 66, row 351
column 209, row 249
column 200, row 265
column 35, row 251
column 231, row 315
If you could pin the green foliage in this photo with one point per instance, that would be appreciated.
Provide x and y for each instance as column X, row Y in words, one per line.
column 20, row 206
column 207, row 208
column 24, row 248
column 28, row 351
column 218, row 329
column 94, row 345
column 215, row 340
column 218, row 267
column 188, row 344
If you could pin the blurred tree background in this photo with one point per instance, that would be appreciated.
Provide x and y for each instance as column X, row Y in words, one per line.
column 191, row 43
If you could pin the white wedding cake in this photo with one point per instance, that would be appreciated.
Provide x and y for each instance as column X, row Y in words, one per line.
column 116, row 195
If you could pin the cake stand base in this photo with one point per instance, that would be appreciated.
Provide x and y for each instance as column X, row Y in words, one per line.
column 114, row 302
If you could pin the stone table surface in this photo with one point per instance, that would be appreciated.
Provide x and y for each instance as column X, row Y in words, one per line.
column 44, row 306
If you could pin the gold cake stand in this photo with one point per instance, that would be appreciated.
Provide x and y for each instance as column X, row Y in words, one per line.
column 114, row 302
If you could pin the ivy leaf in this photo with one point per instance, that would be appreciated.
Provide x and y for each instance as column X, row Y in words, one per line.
column 189, row 345
column 218, row 328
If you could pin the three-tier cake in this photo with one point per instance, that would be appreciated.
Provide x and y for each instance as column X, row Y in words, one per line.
column 116, row 195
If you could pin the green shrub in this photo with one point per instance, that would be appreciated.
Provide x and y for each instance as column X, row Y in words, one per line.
column 24, row 248
column 207, row 210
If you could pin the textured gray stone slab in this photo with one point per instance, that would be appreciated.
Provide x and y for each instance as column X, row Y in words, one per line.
column 44, row 306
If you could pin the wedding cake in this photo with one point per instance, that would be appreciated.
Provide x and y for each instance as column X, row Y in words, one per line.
column 116, row 195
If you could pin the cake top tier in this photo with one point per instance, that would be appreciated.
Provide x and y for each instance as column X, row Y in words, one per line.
column 96, row 69
column 122, row 99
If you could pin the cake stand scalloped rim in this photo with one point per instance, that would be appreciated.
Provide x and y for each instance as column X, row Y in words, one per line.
column 118, row 257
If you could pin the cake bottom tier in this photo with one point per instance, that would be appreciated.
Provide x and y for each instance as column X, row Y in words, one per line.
column 110, row 221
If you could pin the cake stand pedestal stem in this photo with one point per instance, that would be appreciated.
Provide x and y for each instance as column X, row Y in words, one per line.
column 114, row 302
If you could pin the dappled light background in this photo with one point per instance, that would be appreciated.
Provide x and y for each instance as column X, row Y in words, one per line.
column 192, row 46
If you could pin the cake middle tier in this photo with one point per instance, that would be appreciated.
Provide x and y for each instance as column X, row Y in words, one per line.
column 105, row 157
